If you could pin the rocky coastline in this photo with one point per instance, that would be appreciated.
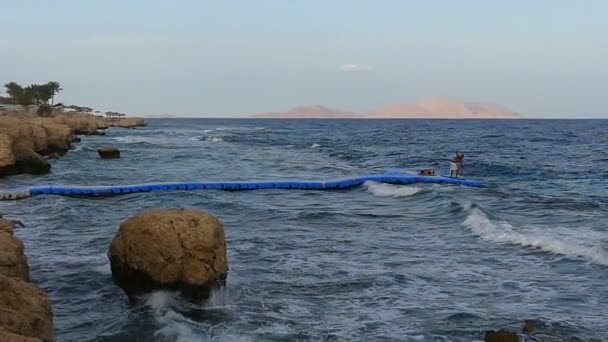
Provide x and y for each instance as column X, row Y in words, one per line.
column 25, row 310
column 28, row 140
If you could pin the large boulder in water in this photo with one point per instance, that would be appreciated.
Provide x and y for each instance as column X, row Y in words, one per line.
column 181, row 250
column 108, row 152
column 24, row 310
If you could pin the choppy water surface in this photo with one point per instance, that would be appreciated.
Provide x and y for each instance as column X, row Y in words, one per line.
column 380, row 262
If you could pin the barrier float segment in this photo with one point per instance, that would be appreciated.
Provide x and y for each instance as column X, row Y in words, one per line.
column 340, row 183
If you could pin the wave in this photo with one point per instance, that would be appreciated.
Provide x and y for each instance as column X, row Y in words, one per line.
column 209, row 139
column 315, row 145
column 389, row 190
column 172, row 324
column 181, row 321
column 503, row 232
column 134, row 139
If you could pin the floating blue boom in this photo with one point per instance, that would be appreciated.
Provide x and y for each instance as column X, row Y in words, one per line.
column 341, row 183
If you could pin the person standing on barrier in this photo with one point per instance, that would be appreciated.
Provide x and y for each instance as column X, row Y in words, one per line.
column 456, row 165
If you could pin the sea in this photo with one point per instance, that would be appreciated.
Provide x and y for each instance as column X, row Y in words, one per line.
column 377, row 262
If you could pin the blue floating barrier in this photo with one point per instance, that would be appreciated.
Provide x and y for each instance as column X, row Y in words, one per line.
column 342, row 183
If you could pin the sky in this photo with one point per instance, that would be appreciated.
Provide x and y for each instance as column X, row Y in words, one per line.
column 233, row 58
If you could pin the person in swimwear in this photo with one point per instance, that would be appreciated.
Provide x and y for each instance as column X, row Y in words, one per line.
column 456, row 164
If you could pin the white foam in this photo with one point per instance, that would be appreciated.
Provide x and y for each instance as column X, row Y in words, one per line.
column 134, row 139
column 503, row 232
column 172, row 324
column 104, row 269
column 389, row 190
column 214, row 139
column 209, row 139
column 315, row 145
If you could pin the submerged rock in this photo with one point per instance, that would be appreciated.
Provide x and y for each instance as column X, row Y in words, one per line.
column 529, row 326
column 501, row 336
column 108, row 152
column 181, row 250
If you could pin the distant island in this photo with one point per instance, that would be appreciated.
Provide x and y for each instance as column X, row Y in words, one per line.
column 308, row 112
column 428, row 108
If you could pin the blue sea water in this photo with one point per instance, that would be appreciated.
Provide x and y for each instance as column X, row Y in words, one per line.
column 376, row 263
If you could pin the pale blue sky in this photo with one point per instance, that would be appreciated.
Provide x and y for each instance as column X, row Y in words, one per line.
column 228, row 58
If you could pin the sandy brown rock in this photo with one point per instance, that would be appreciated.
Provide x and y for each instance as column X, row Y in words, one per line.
column 58, row 137
column 13, row 262
column 6, row 336
column 7, row 158
column 23, row 131
column 501, row 336
column 25, row 309
column 128, row 123
column 6, row 226
column 23, row 141
column 108, row 152
column 82, row 123
column 28, row 161
column 182, row 250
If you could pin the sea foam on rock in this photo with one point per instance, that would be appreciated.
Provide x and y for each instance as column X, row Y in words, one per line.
column 178, row 250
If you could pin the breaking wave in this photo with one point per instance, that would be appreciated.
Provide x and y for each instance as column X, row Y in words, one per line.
column 503, row 232
column 389, row 190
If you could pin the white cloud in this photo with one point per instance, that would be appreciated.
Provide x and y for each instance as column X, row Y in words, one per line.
column 355, row 68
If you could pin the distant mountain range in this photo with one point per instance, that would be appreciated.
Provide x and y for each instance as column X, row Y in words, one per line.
column 428, row 108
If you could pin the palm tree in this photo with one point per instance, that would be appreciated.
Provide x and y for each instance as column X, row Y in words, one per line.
column 54, row 88
column 14, row 90
column 44, row 92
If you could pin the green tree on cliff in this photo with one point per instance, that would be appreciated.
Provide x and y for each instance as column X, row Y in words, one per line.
column 55, row 88
column 14, row 91
column 33, row 94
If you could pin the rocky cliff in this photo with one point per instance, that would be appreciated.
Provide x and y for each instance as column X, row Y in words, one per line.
column 25, row 310
column 26, row 139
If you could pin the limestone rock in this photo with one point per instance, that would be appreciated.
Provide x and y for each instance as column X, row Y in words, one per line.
column 501, row 336
column 13, row 262
column 24, row 309
column 183, row 250
column 108, row 152
column 7, row 158
column 10, row 337
column 6, row 226
column 128, row 123
column 28, row 161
